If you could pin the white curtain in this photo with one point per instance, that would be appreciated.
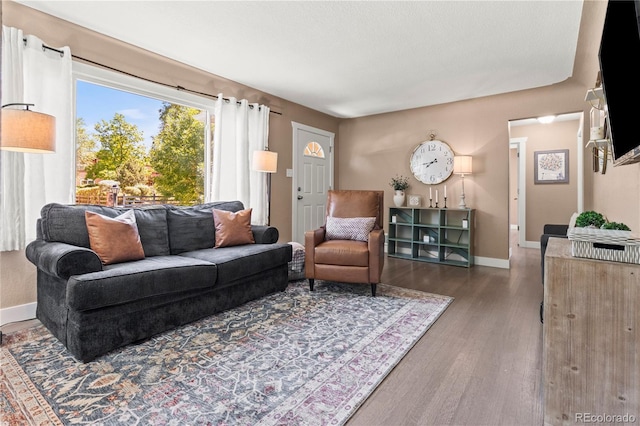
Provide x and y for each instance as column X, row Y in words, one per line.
column 31, row 74
column 240, row 129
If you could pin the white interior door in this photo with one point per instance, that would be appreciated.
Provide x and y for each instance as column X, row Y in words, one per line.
column 312, row 177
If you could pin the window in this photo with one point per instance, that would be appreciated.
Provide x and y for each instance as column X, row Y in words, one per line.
column 142, row 141
column 313, row 149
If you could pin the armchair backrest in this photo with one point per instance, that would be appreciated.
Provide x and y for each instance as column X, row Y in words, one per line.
column 356, row 203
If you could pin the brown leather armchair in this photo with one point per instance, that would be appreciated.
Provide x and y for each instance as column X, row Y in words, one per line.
column 347, row 261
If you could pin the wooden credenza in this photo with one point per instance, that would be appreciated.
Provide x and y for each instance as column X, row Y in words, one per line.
column 591, row 339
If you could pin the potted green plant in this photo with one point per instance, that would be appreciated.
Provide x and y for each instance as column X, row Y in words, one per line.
column 615, row 226
column 590, row 219
column 399, row 184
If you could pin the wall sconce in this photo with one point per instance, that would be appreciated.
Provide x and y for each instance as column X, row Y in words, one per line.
column 266, row 162
column 23, row 130
column 462, row 165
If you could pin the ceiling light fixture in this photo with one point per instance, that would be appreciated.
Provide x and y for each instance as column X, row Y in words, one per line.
column 547, row 119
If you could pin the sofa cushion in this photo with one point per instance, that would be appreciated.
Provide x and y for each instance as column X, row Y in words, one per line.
column 125, row 282
column 232, row 228
column 342, row 252
column 242, row 261
column 66, row 224
column 115, row 239
column 192, row 228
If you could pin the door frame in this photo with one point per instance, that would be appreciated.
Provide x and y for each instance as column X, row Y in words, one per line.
column 294, row 183
column 521, row 145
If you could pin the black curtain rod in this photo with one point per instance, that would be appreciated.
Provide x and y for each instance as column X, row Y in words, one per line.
column 179, row 88
column 45, row 47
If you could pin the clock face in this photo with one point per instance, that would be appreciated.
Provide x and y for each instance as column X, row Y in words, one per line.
column 432, row 162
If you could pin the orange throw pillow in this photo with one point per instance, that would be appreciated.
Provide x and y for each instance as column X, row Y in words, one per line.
column 233, row 229
column 116, row 239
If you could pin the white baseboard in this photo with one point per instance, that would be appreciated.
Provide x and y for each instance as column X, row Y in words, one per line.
column 490, row 261
column 18, row 313
column 532, row 244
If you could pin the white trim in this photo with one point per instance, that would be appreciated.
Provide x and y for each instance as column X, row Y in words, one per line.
column 127, row 83
column 521, row 145
column 18, row 313
column 491, row 262
column 532, row 244
column 580, row 154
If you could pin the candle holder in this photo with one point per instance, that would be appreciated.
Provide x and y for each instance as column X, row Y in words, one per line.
column 436, row 204
column 445, row 202
column 430, row 204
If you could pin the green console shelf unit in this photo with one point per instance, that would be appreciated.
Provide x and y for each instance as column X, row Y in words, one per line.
column 438, row 235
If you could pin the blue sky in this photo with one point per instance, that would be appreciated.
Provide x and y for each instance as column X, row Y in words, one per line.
column 95, row 103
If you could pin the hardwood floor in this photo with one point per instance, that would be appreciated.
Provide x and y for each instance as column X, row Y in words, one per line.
column 480, row 363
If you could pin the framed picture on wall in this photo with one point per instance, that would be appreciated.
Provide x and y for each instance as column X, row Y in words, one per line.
column 551, row 166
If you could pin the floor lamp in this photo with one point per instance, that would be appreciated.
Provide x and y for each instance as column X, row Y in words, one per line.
column 23, row 130
column 462, row 165
column 267, row 162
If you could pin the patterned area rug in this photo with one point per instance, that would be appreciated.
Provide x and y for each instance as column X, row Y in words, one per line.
column 292, row 358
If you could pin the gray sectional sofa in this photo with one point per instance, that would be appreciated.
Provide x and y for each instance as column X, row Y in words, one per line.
column 94, row 308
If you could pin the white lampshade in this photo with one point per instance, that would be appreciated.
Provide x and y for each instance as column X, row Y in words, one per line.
column 265, row 161
column 27, row 131
column 462, row 164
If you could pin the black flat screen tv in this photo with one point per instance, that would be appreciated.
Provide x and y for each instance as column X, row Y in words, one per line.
column 619, row 54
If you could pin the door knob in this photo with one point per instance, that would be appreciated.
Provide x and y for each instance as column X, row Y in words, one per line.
column 300, row 197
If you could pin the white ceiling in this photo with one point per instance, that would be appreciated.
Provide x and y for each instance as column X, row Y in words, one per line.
column 351, row 59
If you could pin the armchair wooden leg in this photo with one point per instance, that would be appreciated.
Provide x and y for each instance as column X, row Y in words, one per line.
column 373, row 289
column 310, row 284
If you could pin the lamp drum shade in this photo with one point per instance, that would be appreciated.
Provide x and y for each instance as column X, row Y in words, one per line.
column 27, row 131
column 462, row 164
column 265, row 161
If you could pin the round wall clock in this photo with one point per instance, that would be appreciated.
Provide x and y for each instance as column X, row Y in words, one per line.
column 432, row 162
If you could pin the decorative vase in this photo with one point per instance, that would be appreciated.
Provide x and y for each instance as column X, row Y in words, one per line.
column 398, row 199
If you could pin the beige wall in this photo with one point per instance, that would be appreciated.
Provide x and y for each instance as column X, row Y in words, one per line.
column 369, row 150
column 549, row 203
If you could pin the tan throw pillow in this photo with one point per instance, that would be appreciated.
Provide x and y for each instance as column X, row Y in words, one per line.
column 115, row 239
column 233, row 229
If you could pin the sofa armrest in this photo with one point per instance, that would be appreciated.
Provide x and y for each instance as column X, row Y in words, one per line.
column 265, row 234
column 62, row 260
column 557, row 230
column 311, row 240
column 376, row 255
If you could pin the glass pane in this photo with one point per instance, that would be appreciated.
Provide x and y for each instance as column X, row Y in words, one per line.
column 134, row 150
column 313, row 149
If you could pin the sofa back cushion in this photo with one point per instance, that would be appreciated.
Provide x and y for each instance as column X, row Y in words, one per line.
column 66, row 224
column 192, row 228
